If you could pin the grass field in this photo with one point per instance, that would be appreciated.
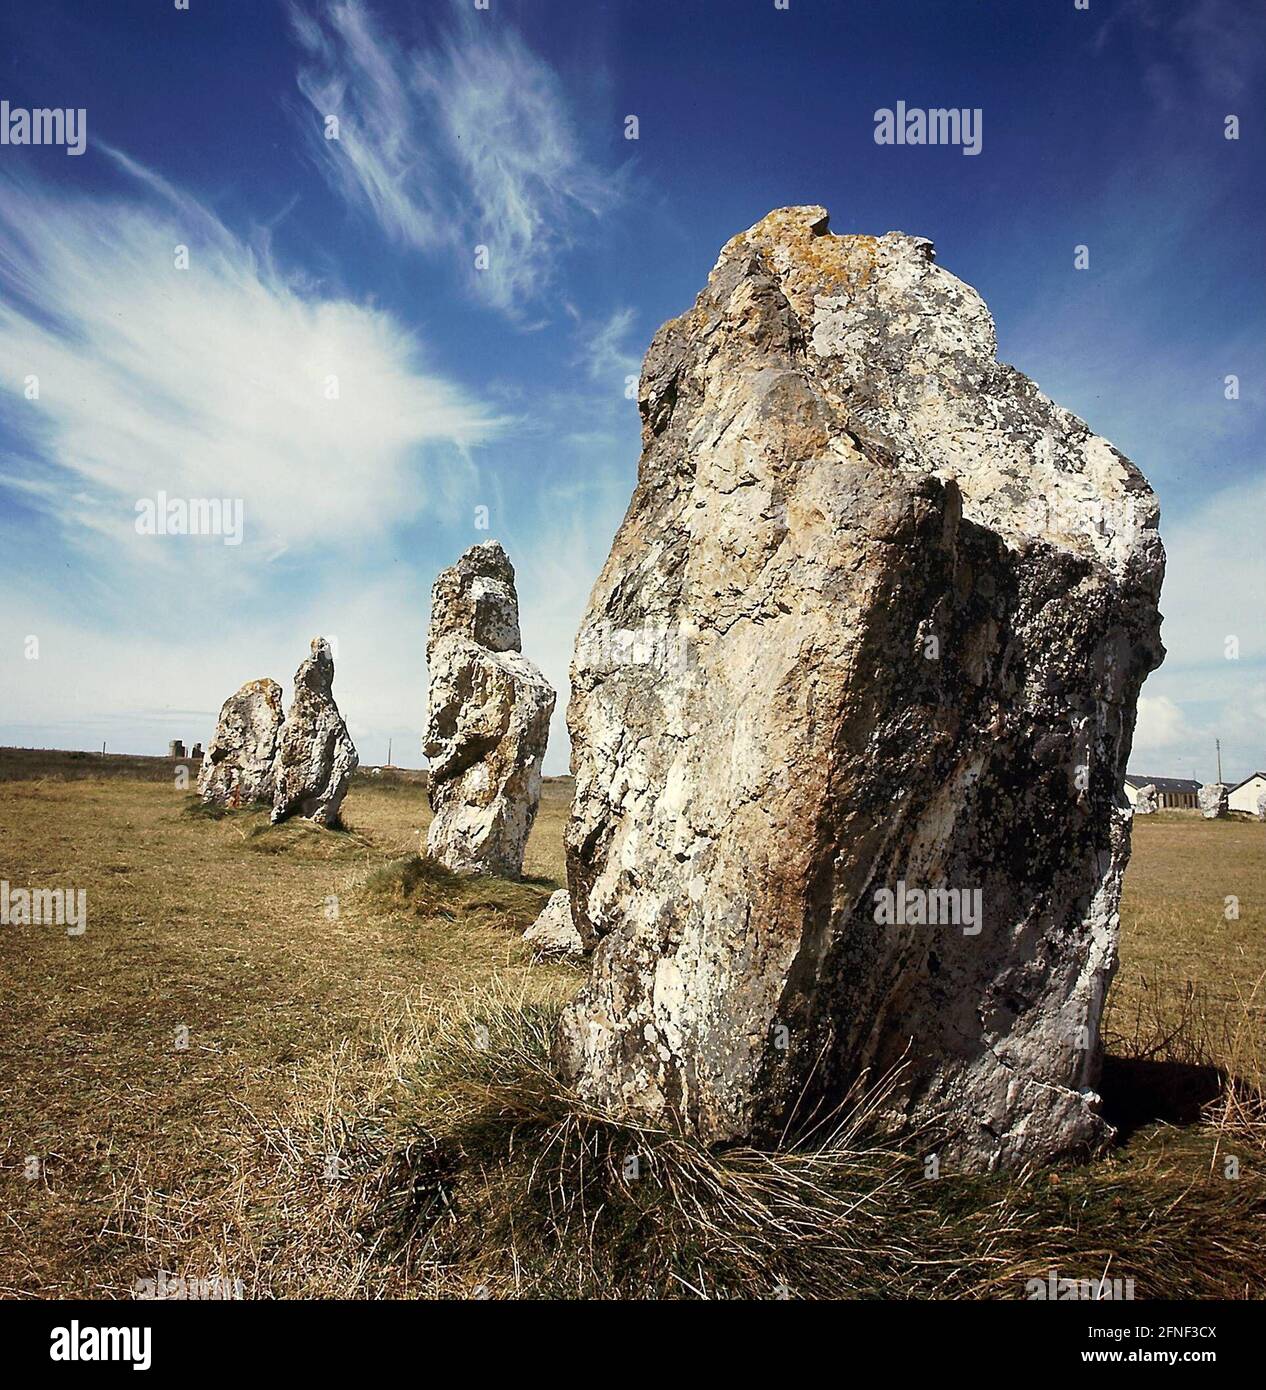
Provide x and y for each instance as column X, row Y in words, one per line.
column 299, row 1060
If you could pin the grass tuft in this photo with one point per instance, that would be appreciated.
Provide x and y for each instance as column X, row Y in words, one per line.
column 422, row 887
column 502, row 1181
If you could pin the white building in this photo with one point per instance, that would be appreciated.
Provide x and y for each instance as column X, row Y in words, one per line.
column 1243, row 796
column 1171, row 792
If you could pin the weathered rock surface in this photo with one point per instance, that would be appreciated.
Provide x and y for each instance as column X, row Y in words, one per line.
column 1145, row 801
column 488, row 713
column 315, row 754
column 238, row 766
column 898, row 606
column 554, row 933
column 1212, row 800
column 1261, row 806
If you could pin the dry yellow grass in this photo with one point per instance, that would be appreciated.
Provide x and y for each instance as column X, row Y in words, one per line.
column 219, row 926
column 300, row 1142
column 1194, row 914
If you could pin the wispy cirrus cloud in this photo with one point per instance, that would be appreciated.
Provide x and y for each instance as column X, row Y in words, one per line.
column 460, row 142
column 1185, row 50
column 206, row 382
column 605, row 353
column 224, row 379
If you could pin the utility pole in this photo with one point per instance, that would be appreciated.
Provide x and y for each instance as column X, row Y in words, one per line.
column 1217, row 742
column 388, row 752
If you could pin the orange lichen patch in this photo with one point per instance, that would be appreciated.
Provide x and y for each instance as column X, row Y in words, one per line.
column 808, row 259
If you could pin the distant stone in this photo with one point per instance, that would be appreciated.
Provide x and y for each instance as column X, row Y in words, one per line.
column 176, row 749
column 238, row 767
column 488, row 713
column 1212, row 800
column 315, row 754
column 1145, row 800
column 851, row 710
column 554, row 934
column 1261, row 806
column 196, row 751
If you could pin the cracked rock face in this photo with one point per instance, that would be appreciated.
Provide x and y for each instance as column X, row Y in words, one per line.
column 1212, row 800
column 238, row 766
column 315, row 754
column 852, row 703
column 488, row 713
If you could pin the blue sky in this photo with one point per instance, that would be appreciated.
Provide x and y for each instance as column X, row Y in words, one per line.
column 504, row 388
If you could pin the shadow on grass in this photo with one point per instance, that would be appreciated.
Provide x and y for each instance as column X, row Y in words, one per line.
column 197, row 809
column 302, row 839
column 1138, row 1091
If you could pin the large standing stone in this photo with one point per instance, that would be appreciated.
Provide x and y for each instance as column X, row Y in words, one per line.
column 1212, row 800
column 238, row 767
column 315, row 754
column 897, row 607
column 1261, row 806
column 1145, row 800
column 488, row 714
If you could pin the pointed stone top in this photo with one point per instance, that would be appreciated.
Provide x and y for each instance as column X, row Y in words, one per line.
column 316, row 672
column 476, row 599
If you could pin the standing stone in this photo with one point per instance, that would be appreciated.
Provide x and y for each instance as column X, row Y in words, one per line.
column 488, row 713
column 175, row 749
column 315, row 754
column 1261, row 806
column 196, row 751
column 554, row 934
column 863, row 804
column 238, row 767
column 1145, row 801
column 1212, row 800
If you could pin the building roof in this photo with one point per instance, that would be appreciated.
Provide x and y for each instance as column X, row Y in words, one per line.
column 1248, row 779
column 1163, row 784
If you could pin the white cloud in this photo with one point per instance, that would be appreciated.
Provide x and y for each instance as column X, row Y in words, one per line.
column 1207, row 689
column 604, row 352
column 140, row 685
column 1215, row 581
column 463, row 143
column 208, row 382
column 1161, row 725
